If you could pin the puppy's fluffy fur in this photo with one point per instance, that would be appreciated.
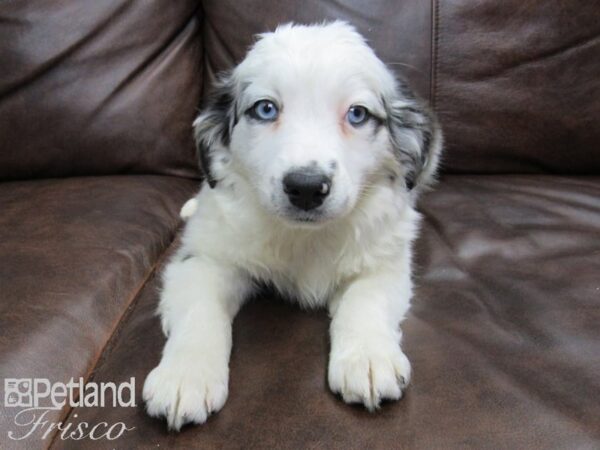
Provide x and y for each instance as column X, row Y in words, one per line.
column 350, row 253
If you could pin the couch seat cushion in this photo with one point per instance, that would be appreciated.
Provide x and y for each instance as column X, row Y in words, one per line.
column 73, row 255
column 503, row 338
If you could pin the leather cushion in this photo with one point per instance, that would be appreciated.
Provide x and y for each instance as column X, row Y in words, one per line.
column 516, row 85
column 74, row 253
column 503, row 339
column 101, row 87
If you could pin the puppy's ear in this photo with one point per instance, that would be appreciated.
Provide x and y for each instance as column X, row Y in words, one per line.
column 416, row 137
column 214, row 125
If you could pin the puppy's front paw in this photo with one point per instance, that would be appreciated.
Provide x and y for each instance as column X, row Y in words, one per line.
column 368, row 374
column 185, row 392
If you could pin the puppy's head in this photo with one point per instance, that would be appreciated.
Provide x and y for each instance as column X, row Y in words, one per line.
column 312, row 120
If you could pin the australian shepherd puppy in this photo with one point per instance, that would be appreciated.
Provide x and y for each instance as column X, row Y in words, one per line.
column 314, row 155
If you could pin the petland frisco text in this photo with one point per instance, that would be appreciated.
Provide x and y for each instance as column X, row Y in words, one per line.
column 36, row 397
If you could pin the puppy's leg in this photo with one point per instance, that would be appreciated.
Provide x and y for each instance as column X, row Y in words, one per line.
column 199, row 301
column 366, row 363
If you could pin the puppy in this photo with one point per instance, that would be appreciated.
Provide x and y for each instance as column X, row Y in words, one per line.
column 314, row 155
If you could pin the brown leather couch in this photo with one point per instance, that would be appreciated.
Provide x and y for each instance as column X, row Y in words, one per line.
column 96, row 158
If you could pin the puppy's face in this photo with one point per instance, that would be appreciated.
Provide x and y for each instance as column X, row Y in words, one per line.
column 311, row 131
column 312, row 119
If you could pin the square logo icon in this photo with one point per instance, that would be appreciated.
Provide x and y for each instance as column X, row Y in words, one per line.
column 18, row 392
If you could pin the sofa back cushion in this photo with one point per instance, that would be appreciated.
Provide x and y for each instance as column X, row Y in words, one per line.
column 516, row 84
column 112, row 86
column 98, row 87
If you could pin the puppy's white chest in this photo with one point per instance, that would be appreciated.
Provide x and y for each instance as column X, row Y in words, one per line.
column 305, row 264
column 306, row 268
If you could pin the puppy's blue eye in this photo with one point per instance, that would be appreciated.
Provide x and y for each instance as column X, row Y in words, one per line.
column 264, row 110
column 357, row 115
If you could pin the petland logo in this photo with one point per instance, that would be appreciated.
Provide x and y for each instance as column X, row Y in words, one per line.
column 38, row 396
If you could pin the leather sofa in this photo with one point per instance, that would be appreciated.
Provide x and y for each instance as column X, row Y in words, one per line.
column 96, row 159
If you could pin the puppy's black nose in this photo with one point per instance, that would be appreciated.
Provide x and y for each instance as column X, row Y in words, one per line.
column 306, row 189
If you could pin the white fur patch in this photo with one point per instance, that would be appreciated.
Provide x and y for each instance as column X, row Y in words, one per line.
column 188, row 209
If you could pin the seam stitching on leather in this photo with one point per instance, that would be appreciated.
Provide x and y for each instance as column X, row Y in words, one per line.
column 204, row 58
column 435, row 39
column 114, row 333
